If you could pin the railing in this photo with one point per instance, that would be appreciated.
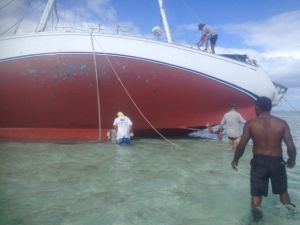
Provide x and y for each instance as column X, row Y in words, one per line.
column 280, row 88
column 279, row 94
column 242, row 58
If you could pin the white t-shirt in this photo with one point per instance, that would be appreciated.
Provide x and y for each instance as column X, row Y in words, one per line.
column 208, row 31
column 123, row 123
column 233, row 119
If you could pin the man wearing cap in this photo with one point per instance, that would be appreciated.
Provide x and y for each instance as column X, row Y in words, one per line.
column 207, row 33
column 123, row 125
column 233, row 120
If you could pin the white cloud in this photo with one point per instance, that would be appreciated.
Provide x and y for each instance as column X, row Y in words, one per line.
column 275, row 44
column 280, row 32
column 21, row 15
column 80, row 15
column 103, row 8
column 278, row 38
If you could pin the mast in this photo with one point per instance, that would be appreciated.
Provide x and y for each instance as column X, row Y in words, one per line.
column 44, row 19
column 165, row 21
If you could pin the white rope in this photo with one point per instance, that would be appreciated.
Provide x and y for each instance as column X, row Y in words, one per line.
column 97, row 85
column 132, row 100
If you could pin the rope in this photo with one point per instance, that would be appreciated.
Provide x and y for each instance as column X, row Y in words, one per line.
column 19, row 21
column 132, row 100
column 97, row 85
column 297, row 111
column 2, row 7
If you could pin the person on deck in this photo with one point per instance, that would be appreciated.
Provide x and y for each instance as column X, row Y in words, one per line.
column 267, row 133
column 232, row 120
column 207, row 34
column 123, row 126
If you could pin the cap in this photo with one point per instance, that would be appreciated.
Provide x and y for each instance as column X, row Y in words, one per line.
column 120, row 114
column 201, row 25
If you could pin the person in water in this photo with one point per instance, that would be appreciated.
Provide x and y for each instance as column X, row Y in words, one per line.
column 123, row 125
column 267, row 133
column 232, row 120
column 218, row 132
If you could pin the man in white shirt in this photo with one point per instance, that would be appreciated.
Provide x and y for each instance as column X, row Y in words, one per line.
column 123, row 125
column 233, row 120
column 207, row 33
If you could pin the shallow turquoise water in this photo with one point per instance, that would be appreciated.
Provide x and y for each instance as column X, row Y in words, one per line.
column 149, row 182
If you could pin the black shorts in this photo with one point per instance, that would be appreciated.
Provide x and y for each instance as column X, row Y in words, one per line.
column 213, row 39
column 264, row 168
column 233, row 138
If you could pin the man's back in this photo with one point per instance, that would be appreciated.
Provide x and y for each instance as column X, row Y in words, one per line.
column 233, row 119
column 267, row 133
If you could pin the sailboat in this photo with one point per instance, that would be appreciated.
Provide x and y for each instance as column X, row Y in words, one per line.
column 70, row 85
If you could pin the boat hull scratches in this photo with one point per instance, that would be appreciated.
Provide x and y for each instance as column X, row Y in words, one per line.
column 60, row 92
column 108, row 55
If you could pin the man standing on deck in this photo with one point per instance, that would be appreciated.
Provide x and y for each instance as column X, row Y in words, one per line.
column 267, row 133
column 233, row 120
column 207, row 34
column 123, row 125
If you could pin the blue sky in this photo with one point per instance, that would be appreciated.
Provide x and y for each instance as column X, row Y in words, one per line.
column 267, row 30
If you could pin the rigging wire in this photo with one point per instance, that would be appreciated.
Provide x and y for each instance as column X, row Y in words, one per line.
column 132, row 100
column 292, row 107
column 192, row 11
column 27, row 13
column 19, row 21
column 181, row 17
column 97, row 85
column 8, row 3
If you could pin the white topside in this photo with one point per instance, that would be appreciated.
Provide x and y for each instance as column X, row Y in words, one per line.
column 234, row 73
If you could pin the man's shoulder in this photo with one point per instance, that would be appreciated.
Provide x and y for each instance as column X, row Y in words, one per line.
column 253, row 121
column 129, row 120
column 273, row 118
column 279, row 120
column 232, row 113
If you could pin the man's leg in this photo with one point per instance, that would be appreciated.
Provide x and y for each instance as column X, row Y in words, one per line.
column 236, row 142
column 285, row 198
column 230, row 144
column 256, row 211
column 256, row 201
column 212, row 46
column 213, row 41
column 206, row 44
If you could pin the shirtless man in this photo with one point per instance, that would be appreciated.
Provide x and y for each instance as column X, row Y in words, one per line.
column 267, row 133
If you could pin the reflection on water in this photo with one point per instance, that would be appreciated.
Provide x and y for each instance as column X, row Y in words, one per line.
column 148, row 182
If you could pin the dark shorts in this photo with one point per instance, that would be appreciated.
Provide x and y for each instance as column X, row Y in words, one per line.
column 213, row 39
column 123, row 140
column 233, row 138
column 264, row 168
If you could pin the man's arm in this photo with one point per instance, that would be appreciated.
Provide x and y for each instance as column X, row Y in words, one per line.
column 115, row 125
column 201, row 41
column 239, row 151
column 222, row 124
column 241, row 118
column 291, row 149
column 130, row 127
